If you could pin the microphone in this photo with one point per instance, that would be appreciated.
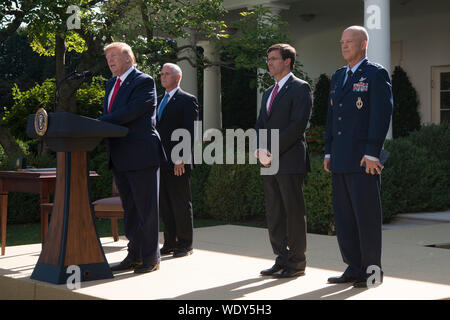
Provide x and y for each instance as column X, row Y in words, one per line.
column 82, row 75
column 71, row 76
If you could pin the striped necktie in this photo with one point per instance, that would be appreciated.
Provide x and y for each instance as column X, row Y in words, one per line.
column 274, row 93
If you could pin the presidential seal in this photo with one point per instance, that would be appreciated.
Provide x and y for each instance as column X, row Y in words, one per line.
column 41, row 122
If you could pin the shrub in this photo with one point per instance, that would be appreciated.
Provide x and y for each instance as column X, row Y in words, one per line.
column 320, row 103
column 24, row 207
column 235, row 193
column 416, row 177
column 255, row 203
column 318, row 199
column 89, row 101
column 199, row 177
column 315, row 137
column 225, row 192
column 405, row 117
column 100, row 187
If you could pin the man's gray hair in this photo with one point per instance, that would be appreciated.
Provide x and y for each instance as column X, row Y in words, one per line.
column 361, row 30
column 175, row 68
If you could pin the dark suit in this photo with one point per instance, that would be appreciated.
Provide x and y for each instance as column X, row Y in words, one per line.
column 175, row 191
column 357, row 124
column 283, row 191
column 135, row 161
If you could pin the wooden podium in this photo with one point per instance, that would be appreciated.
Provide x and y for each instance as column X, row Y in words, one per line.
column 72, row 238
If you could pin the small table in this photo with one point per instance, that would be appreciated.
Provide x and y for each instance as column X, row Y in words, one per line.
column 41, row 181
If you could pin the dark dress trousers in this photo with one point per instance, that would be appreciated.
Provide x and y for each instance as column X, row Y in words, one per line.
column 135, row 161
column 357, row 123
column 175, row 195
column 283, row 191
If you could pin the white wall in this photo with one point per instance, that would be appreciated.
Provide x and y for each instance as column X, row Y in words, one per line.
column 420, row 39
column 426, row 43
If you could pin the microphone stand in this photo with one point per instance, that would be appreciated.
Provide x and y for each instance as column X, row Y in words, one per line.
column 58, row 86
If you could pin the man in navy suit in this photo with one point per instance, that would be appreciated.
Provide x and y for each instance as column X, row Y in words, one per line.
column 286, row 107
column 176, row 110
column 130, row 101
column 359, row 112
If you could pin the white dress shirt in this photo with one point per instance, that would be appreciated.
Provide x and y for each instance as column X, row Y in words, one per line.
column 122, row 79
column 171, row 93
column 280, row 85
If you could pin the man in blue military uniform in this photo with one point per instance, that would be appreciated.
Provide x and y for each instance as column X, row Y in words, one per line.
column 359, row 112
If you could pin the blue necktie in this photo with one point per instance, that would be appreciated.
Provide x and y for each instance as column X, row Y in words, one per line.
column 162, row 105
column 348, row 82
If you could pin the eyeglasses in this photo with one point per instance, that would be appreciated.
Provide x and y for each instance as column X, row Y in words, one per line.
column 273, row 59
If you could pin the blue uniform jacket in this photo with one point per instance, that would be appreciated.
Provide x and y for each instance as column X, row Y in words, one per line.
column 358, row 119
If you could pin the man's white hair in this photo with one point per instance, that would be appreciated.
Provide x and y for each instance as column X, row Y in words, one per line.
column 361, row 30
column 175, row 68
column 125, row 48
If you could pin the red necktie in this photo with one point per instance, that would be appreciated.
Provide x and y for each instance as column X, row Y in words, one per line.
column 116, row 88
column 274, row 93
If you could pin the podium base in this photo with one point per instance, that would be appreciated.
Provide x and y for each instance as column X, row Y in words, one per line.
column 71, row 274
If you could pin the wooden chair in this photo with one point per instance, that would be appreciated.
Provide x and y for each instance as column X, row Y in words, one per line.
column 110, row 208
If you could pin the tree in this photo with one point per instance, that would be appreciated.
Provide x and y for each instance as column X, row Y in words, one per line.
column 405, row 117
column 149, row 26
column 56, row 27
column 153, row 26
column 12, row 14
column 252, row 34
column 243, row 57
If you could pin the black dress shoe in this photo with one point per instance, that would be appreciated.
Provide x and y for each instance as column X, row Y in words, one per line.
column 146, row 268
column 363, row 284
column 342, row 279
column 274, row 269
column 183, row 252
column 126, row 264
column 289, row 273
column 165, row 250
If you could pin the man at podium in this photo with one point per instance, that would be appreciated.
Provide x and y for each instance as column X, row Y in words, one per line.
column 130, row 101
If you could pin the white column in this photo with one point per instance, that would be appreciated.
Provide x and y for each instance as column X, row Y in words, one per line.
column 377, row 21
column 212, row 97
column 189, row 79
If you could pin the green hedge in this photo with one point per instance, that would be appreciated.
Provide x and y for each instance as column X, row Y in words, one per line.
column 416, row 178
column 225, row 193
column 317, row 191
column 235, row 193
column 24, row 207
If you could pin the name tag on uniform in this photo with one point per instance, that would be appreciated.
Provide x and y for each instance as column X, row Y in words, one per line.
column 360, row 87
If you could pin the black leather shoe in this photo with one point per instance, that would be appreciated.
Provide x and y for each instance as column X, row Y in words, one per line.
column 274, row 269
column 183, row 252
column 165, row 250
column 341, row 279
column 146, row 268
column 363, row 284
column 289, row 273
column 126, row 264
